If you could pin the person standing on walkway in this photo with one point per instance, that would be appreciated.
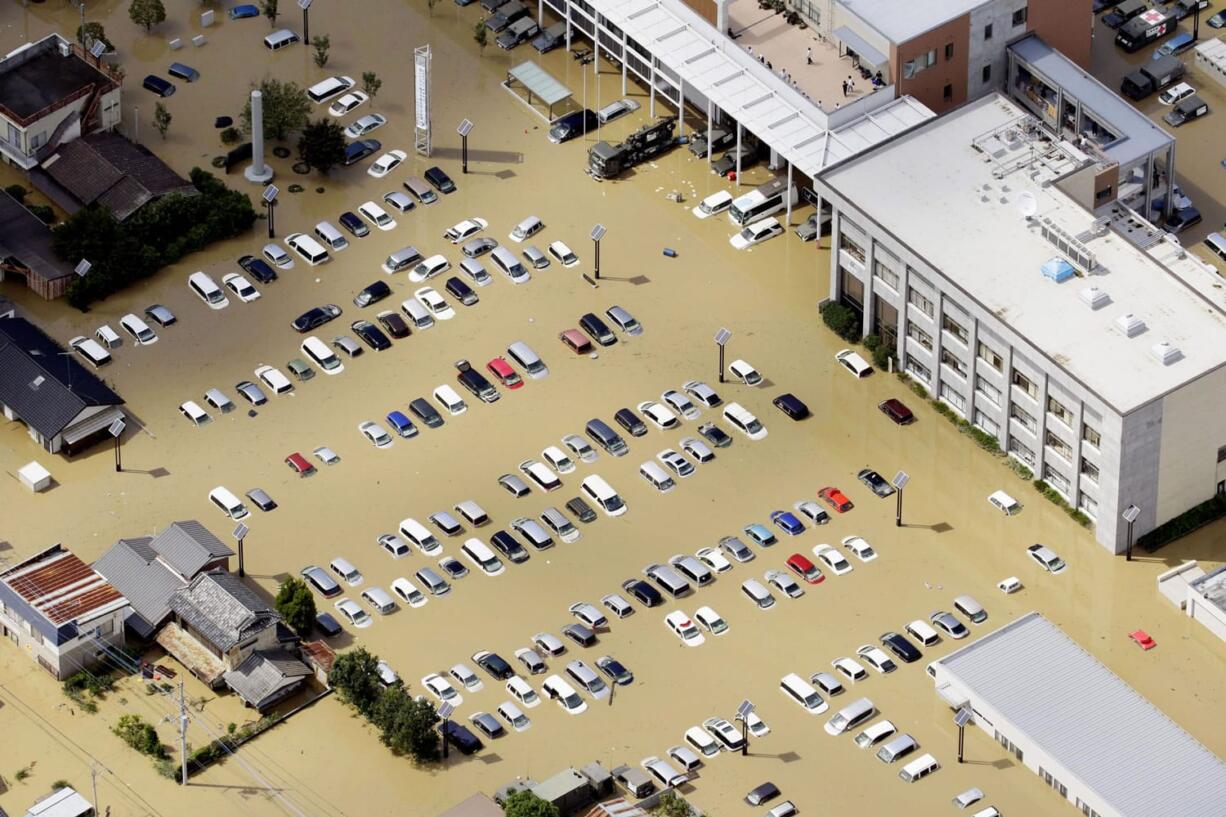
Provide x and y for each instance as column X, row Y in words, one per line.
column 809, row 56
column 844, row 87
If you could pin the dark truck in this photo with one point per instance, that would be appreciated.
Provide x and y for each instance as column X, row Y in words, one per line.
column 1123, row 12
column 550, row 38
column 475, row 382
column 1152, row 77
column 605, row 161
column 1147, row 27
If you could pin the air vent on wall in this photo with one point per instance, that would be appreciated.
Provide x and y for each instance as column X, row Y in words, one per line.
column 1130, row 324
column 1165, row 353
column 1094, row 297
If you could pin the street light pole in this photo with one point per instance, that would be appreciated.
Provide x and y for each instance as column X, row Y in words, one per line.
column 270, row 203
column 598, row 233
column 721, row 339
column 899, row 482
column 1130, row 516
column 305, row 5
column 116, row 430
column 240, row 534
column 463, row 129
column 961, row 719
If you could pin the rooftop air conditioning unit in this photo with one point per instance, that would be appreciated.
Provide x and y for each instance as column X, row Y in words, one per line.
column 1165, row 353
column 65, row 48
column 1130, row 324
column 1094, row 297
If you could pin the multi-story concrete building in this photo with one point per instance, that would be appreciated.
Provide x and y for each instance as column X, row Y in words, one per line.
column 1090, row 348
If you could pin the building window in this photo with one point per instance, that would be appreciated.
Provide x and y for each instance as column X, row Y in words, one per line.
column 38, row 140
column 924, row 61
column 1092, row 437
column 1059, row 411
column 918, row 370
column 987, row 73
column 1089, row 506
column 1025, row 384
column 1090, row 471
column 953, row 362
column 987, row 31
column 1055, row 479
column 949, row 51
column 989, row 357
column 953, row 398
column 917, row 299
column 986, row 423
column 1022, row 417
column 1019, row 16
column 853, row 249
column 947, row 93
column 886, row 275
column 989, row 391
column 924, row 339
column 954, row 328
column 1021, row 451
column 1058, row 445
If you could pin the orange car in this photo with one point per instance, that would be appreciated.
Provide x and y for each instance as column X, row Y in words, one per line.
column 835, row 499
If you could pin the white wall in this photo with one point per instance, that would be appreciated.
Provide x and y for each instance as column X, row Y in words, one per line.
column 1193, row 428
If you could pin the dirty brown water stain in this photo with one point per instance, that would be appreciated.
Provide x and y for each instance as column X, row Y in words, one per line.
column 326, row 760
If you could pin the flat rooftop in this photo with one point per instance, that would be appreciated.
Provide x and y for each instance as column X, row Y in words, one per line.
column 33, row 77
column 902, row 21
column 1212, row 588
column 1117, row 743
column 935, row 183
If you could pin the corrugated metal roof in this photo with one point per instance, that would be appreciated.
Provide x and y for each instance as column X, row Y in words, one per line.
column 265, row 676
column 61, row 588
column 1117, row 743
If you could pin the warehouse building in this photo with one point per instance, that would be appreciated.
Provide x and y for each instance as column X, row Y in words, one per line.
column 1086, row 341
column 1092, row 738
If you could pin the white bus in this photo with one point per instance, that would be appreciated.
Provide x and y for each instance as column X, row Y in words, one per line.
column 762, row 201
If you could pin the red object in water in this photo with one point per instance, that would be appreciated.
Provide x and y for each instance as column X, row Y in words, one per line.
column 732, row 176
column 1144, row 640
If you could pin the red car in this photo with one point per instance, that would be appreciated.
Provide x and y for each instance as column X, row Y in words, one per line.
column 1144, row 640
column 300, row 465
column 896, row 411
column 502, row 370
column 805, row 569
column 835, row 499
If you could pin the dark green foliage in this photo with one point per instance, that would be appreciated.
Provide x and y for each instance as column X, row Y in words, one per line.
column 526, row 804
column 17, row 191
column 140, row 735
column 297, row 606
column 841, row 320
column 322, row 145
column 1192, row 519
column 406, row 725
column 355, row 677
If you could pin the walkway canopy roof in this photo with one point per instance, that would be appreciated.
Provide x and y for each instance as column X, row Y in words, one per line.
column 538, row 83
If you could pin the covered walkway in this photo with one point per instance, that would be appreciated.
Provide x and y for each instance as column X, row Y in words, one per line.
column 538, row 82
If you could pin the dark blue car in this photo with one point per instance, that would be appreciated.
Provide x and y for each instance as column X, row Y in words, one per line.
column 786, row 522
column 401, row 424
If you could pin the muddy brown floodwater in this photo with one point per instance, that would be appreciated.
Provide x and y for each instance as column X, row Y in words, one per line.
column 325, row 760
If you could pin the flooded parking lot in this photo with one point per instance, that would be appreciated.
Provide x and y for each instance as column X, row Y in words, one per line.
column 326, row 760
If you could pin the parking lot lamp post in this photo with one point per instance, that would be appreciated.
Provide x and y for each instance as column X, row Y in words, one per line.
column 463, row 129
column 598, row 233
column 1130, row 515
column 240, row 533
column 961, row 719
column 899, row 482
column 116, row 431
column 270, row 203
column 742, row 713
column 721, row 340
column 305, row 5
column 444, row 712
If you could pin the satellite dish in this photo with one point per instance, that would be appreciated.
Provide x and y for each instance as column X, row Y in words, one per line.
column 1027, row 203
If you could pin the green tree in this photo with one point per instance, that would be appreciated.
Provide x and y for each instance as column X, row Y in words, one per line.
column 147, row 13
column 140, row 735
column 286, row 108
column 481, row 36
column 269, row 7
column 406, row 725
column 322, row 44
column 526, row 804
column 355, row 676
column 161, row 119
column 296, row 605
column 674, row 805
column 95, row 32
column 322, row 144
column 371, row 84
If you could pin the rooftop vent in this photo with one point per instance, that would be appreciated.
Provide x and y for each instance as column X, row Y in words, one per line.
column 1165, row 353
column 1130, row 324
column 1094, row 297
column 1058, row 270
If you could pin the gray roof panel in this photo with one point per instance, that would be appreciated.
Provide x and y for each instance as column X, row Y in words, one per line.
column 222, row 609
column 131, row 567
column 264, row 676
column 188, row 546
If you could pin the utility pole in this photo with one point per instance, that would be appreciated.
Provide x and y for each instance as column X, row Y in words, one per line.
column 93, row 779
column 183, row 733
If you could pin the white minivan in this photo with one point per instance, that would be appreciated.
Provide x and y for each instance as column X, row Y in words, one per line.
column 450, row 400
column 228, row 503
column 655, row 475
column 324, row 358
column 138, row 329
column 307, row 247
column 208, row 291
column 799, row 691
column 603, row 495
column 482, row 557
column 91, row 350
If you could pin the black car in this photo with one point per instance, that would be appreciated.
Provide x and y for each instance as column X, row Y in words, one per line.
column 760, row 794
column 355, row 225
column 715, row 435
column 597, row 329
column 582, row 511
column 425, row 412
column 581, row 635
column 394, row 325
column 901, row 647
column 630, row 421
column 646, row 595
column 792, row 406
column 476, row 383
column 615, row 669
column 315, row 318
column 462, row 291
column 492, row 5
column 573, row 125
column 720, row 139
column 159, row 86
column 258, row 268
column 508, row 546
column 441, row 181
column 372, row 294
column 327, row 625
column 727, row 163
column 370, row 335
column 875, row 482
column 459, row 737
column 359, row 150
column 494, row 664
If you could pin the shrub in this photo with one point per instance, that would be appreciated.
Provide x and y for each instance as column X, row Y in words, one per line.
column 17, row 191
column 1192, row 519
column 882, row 356
column 871, row 342
column 231, row 136
column 59, row 784
column 44, row 213
column 140, row 735
column 841, row 320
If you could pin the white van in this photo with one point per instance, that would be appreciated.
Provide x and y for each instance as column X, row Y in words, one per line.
column 603, row 495
column 655, row 475
column 330, row 235
column 307, row 247
column 345, row 569
column 138, row 329
column 378, row 598
column 799, row 691
column 759, row 595
column 923, row 633
column 91, row 350
column 280, row 39
column 898, row 746
column 1004, row 503
column 418, row 187
column 417, row 533
column 208, row 291
column 851, row 716
column 922, row 766
column 450, row 400
column 527, row 359
column 702, row 741
column 435, row 584
column 481, row 556
column 417, row 314
column 324, row 358
column 228, row 503
column 328, row 88
column 513, row 715
column 194, row 414
column 766, row 199
column 744, row 421
column 108, row 337
column 506, row 261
